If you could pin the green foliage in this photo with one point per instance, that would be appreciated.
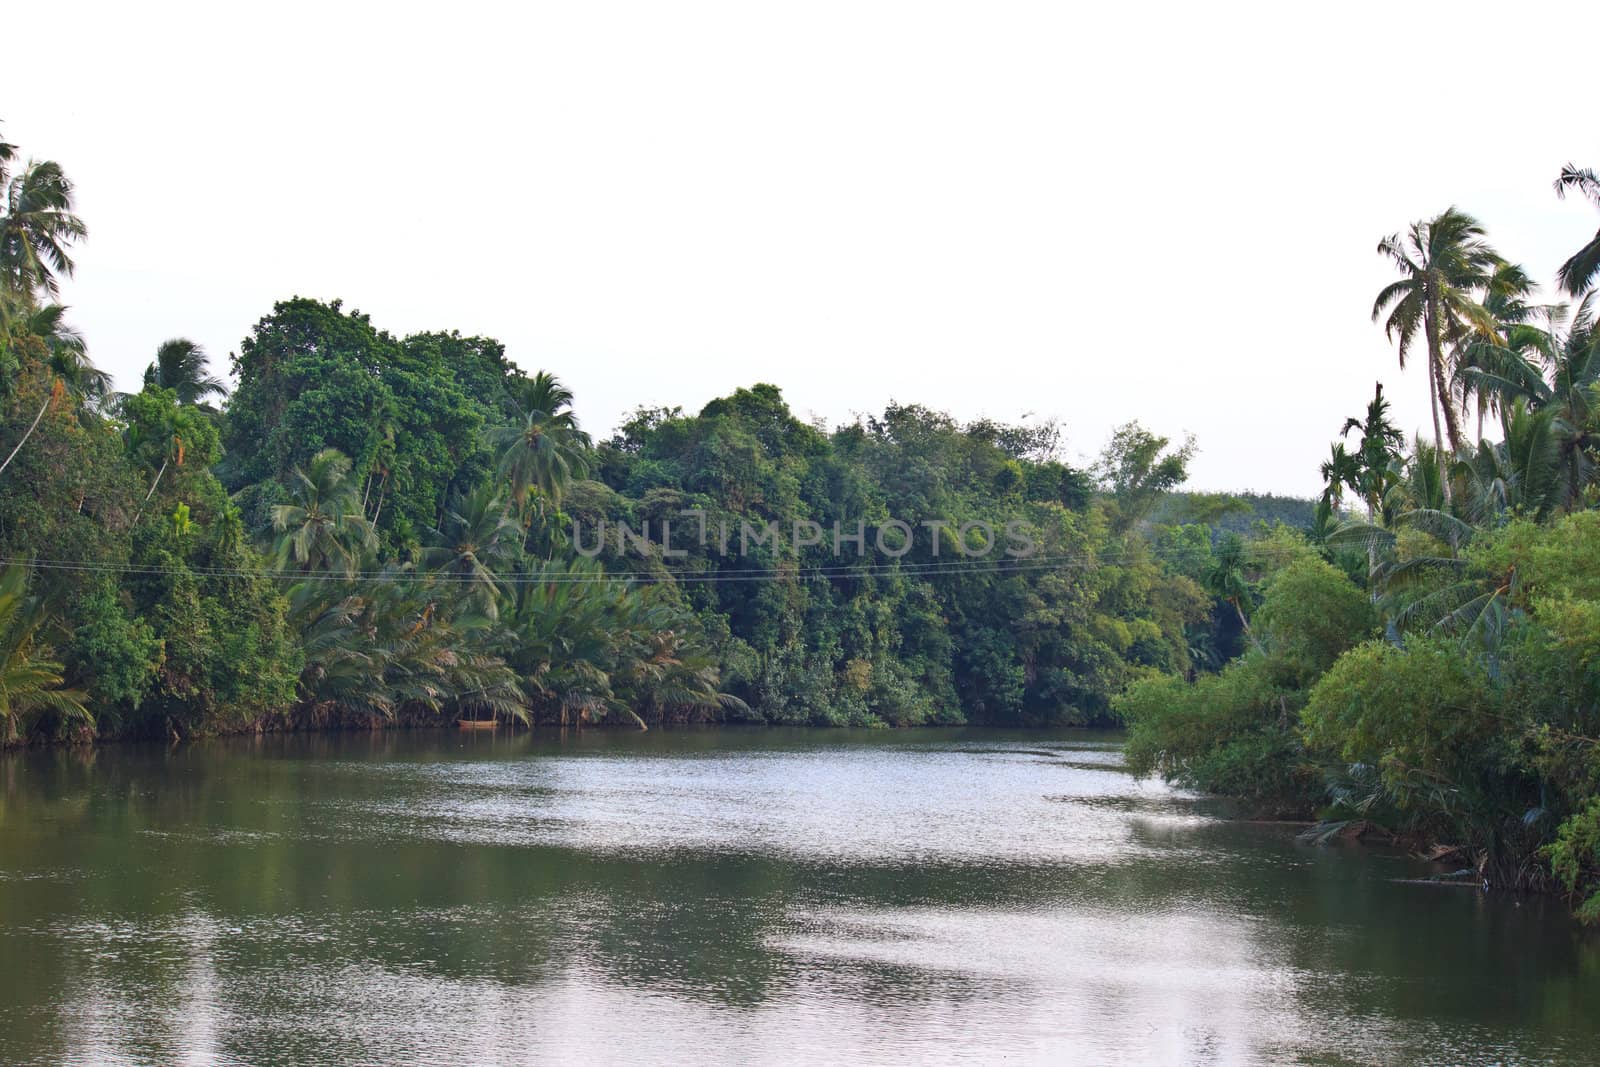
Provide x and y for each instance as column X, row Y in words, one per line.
column 312, row 377
column 1224, row 733
column 1235, row 732
column 1312, row 616
column 1575, row 858
column 118, row 654
column 31, row 682
column 1423, row 716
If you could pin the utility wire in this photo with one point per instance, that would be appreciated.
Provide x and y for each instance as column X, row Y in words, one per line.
column 864, row 569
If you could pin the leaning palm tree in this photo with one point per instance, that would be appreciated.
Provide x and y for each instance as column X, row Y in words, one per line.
column 1226, row 580
column 30, row 681
column 546, row 449
column 1581, row 269
column 323, row 530
column 64, row 358
column 67, row 354
column 1446, row 264
column 37, row 227
column 181, row 366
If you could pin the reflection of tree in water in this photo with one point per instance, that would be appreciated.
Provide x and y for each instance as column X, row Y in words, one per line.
column 323, row 898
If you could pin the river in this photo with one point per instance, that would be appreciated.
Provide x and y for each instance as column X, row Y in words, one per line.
column 730, row 896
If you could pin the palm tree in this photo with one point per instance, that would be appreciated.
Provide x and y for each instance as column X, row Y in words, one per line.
column 30, row 681
column 474, row 543
column 181, row 366
column 36, row 228
column 67, row 354
column 1225, row 579
column 64, row 357
column 1369, row 471
column 1551, row 368
column 1446, row 264
column 546, row 449
column 669, row 677
column 323, row 530
column 387, row 647
column 1578, row 271
column 1505, row 299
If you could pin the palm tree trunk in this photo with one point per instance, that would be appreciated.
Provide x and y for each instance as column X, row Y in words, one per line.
column 1435, row 383
column 383, row 491
column 1245, row 624
column 50, row 395
column 1452, row 423
column 151, row 493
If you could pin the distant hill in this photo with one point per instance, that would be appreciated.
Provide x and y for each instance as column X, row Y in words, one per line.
column 1237, row 512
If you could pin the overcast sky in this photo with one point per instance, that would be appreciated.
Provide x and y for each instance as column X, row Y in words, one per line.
column 1138, row 211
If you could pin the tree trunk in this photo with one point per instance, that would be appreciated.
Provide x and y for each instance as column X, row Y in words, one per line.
column 1245, row 623
column 151, row 493
column 1437, row 396
column 48, row 396
column 383, row 491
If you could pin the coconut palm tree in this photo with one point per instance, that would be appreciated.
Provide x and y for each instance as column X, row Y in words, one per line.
column 1580, row 270
column 1226, row 580
column 1552, row 367
column 30, row 681
column 384, row 645
column 546, row 449
column 1446, row 264
column 473, row 546
column 37, row 227
column 1506, row 299
column 323, row 530
column 67, row 355
column 180, row 365
column 59, row 351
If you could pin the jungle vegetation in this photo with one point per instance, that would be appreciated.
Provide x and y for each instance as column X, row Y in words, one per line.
column 370, row 529
column 1425, row 659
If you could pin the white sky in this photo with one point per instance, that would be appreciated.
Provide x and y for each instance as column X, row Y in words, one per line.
column 1161, row 212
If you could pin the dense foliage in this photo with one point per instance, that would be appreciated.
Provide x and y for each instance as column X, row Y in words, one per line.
column 373, row 528
column 1430, row 663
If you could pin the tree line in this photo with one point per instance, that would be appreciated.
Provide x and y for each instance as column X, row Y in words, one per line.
column 1425, row 661
column 369, row 529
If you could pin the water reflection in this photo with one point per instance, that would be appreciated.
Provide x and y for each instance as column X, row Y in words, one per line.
column 728, row 896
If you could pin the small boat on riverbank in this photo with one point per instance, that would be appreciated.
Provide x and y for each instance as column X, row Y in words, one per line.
column 476, row 724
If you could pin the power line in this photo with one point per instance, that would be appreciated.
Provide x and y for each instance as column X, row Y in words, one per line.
column 865, row 569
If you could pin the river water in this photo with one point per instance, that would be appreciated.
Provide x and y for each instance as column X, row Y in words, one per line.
column 730, row 896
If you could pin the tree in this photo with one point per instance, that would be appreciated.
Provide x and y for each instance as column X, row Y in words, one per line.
column 1225, row 579
column 1580, row 269
column 1551, row 369
column 323, row 530
column 1369, row 470
column 57, row 352
column 37, row 228
column 30, row 680
column 1137, row 471
column 474, row 544
column 161, row 434
column 546, row 449
column 180, row 365
column 1445, row 263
